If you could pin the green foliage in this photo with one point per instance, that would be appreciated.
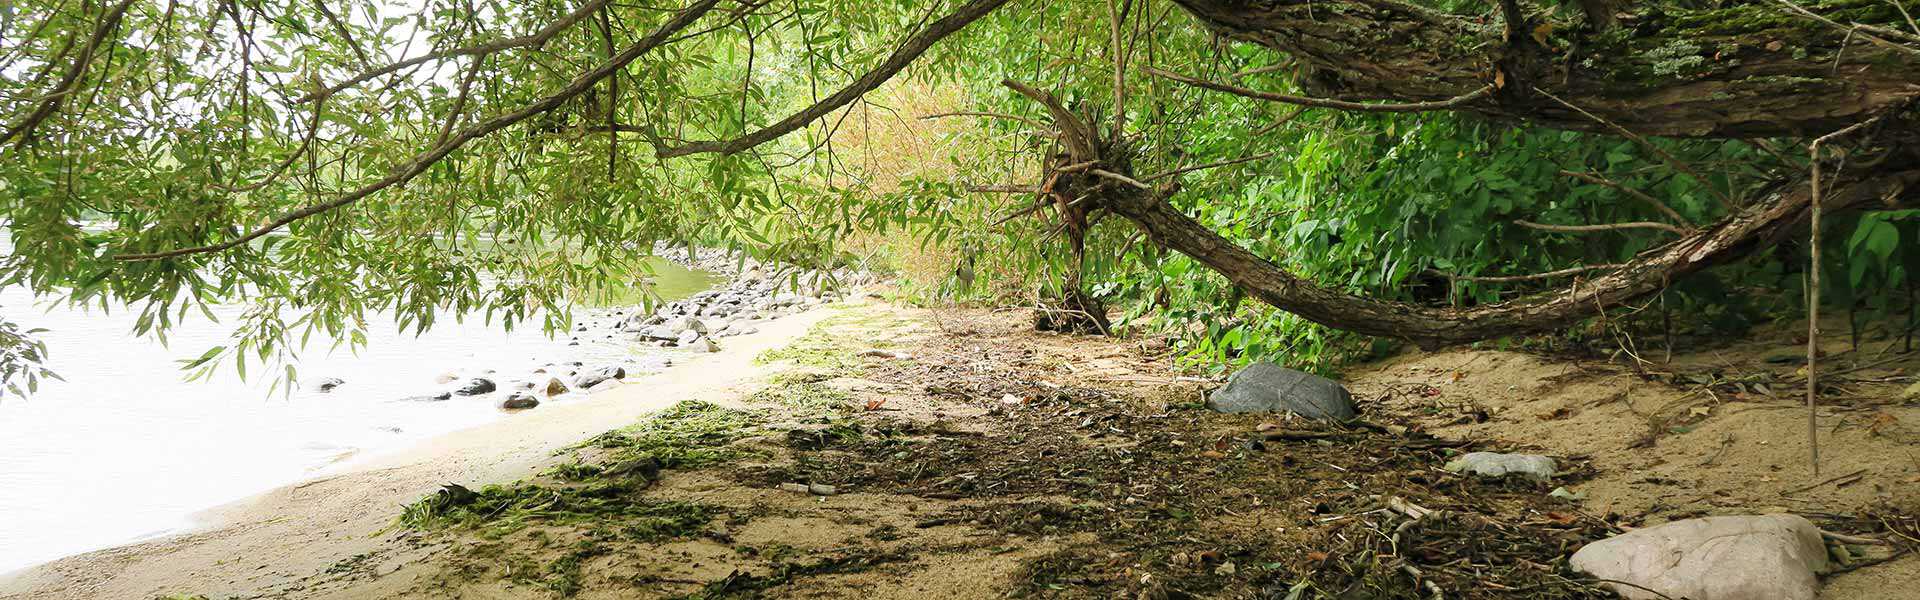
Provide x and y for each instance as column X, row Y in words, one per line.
column 22, row 359
column 501, row 509
column 690, row 435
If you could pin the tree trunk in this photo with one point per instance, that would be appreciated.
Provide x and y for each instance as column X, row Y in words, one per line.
column 1752, row 69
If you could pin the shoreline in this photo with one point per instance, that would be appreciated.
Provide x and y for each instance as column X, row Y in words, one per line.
column 373, row 482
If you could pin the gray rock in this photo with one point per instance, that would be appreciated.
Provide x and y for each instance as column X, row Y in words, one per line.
column 326, row 384
column 475, row 387
column 1760, row 557
column 520, row 401
column 1495, row 464
column 1267, row 387
column 612, row 371
column 688, row 337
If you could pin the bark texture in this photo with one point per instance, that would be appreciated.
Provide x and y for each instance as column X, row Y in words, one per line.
column 1749, row 69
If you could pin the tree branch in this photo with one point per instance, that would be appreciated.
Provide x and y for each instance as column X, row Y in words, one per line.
column 967, row 113
column 1605, row 227
column 537, row 38
column 70, row 81
column 906, row 54
column 1637, row 194
column 1519, row 278
column 420, row 162
column 1725, row 201
column 1448, row 104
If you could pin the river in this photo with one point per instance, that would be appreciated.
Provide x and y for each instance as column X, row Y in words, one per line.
column 124, row 450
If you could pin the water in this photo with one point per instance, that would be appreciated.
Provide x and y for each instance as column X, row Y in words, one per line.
column 124, row 450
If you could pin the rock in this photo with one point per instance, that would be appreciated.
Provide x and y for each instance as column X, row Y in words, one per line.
column 475, row 387
column 588, row 380
column 554, row 387
column 1495, row 464
column 1267, row 387
column 519, row 401
column 644, row 466
column 439, row 397
column 1911, row 393
column 688, row 337
column 612, row 372
column 326, row 384
column 445, row 378
column 693, row 324
column 708, row 345
column 1760, row 557
column 821, row 489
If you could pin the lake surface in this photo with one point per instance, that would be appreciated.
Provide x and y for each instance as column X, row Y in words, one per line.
column 124, row 449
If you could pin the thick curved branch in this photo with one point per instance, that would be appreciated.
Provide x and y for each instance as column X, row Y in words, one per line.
column 1757, row 226
column 906, row 54
column 420, row 162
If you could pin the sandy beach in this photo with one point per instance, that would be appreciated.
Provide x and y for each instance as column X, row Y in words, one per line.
column 269, row 542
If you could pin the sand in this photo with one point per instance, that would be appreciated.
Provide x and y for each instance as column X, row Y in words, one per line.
column 277, row 538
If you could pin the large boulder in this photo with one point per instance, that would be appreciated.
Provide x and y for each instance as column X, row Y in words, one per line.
column 1495, row 464
column 1759, row 557
column 475, row 387
column 1267, row 387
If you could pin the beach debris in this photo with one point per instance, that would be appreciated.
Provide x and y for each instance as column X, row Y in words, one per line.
column 815, row 489
column 1267, row 387
column 1566, row 494
column 475, row 387
column 520, row 401
column 644, row 466
column 1495, row 464
column 326, row 384
column 1747, row 557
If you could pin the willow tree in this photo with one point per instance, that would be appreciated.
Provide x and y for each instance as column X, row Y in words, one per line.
column 324, row 160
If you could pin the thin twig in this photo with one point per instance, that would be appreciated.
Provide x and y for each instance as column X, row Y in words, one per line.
column 1813, row 297
column 1605, row 227
column 1448, row 104
column 1210, row 165
column 969, row 113
column 1535, row 276
column 1725, row 200
column 1637, row 194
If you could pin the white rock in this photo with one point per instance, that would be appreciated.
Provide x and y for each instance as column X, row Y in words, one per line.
column 1763, row 557
column 688, row 337
column 1495, row 464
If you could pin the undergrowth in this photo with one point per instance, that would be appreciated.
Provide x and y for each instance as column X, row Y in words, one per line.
column 691, row 435
column 498, row 510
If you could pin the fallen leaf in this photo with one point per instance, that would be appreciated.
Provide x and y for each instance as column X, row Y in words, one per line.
column 1316, row 556
column 875, row 404
column 1213, row 454
column 1541, row 32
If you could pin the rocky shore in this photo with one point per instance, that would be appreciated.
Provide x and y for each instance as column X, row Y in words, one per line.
column 752, row 298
